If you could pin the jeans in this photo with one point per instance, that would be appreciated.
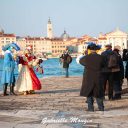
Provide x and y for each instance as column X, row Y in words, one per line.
column 66, row 72
column 90, row 101
column 117, row 88
column 108, row 77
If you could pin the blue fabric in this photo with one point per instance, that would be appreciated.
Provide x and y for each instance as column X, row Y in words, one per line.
column 8, row 69
column 93, row 46
column 4, row 48
column 66, row 72
column 14, row 45
column 90, row 101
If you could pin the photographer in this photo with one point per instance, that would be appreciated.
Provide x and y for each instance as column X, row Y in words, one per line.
column 66, row 59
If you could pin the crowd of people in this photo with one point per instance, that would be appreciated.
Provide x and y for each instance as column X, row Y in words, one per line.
column 103, row 74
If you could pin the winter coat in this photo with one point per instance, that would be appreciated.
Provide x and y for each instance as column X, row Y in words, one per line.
column 120, row 75
column 63, row 60
column 92, row 77
column 105, row 54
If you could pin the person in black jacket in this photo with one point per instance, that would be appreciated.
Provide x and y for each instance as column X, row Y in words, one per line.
column 118, row 77
column 66, row 59
column 92, row 85
column 107, row 72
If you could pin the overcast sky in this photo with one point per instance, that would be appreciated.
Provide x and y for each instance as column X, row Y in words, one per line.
column 77, row 17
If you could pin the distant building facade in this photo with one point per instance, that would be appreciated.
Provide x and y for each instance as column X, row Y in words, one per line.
column 116, row 38
column 40, row 45
column 82, row 43
column 57, row 45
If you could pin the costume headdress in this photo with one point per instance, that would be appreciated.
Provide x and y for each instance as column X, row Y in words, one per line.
column 14, row 45
column 29, row 47
column 93, row 46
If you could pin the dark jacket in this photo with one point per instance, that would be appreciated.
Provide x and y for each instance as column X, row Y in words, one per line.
column 105, row 55
column 92, row 77
column 63, row 60
column 125, row 59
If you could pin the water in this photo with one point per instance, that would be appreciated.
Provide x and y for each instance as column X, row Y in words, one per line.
column 53, row 68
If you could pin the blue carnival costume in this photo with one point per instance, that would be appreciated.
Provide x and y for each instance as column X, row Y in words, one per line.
column 8, row 77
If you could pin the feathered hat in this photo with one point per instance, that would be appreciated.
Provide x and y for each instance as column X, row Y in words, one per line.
column 29, row 47
column 93, row 46
column 14, row 45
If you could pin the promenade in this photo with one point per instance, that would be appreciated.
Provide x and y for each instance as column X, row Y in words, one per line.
column 58, row 105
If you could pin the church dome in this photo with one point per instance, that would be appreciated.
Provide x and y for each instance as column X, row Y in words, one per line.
column 65, row 36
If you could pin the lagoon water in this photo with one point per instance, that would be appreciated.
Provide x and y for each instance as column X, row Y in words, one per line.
column 53, row 68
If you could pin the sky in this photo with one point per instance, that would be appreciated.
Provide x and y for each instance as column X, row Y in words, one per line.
column 77, row 17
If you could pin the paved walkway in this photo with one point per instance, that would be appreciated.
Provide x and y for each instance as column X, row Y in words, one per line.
column 58, row 105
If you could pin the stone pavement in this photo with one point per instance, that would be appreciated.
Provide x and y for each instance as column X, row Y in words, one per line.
column 58, row 105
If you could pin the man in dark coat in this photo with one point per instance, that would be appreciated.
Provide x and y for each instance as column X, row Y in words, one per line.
column 92, row 78
column 118, row 77
column 109, row 73
column 66, row 59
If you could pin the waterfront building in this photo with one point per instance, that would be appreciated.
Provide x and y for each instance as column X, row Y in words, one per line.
column 116, row 38
column 82, row 43
column 40, row 45
column 55, row 46
column 58, row 46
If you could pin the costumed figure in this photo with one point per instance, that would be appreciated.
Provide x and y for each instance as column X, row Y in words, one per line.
column 27, row 81
column 8, row 77
column 92, row 86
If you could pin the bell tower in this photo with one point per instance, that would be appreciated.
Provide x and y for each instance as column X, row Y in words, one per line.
column 49, row 29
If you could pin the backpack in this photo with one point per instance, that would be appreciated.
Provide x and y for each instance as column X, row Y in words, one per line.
column 69, row 59
column 113, row 60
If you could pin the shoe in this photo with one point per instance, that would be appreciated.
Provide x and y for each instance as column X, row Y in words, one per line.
column 12, row 93
column 31, row 92
column 110, row 98
column 90, row 110
column 26, row 93
column 5, row 94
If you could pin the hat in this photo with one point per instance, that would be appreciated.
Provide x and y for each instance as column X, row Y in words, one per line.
column 108, row 45
column 117, row 47
column 4, row 48
column 92, row 47
column 14, row 45
column 29, row 47
column 98, row 47
column 90, row 44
